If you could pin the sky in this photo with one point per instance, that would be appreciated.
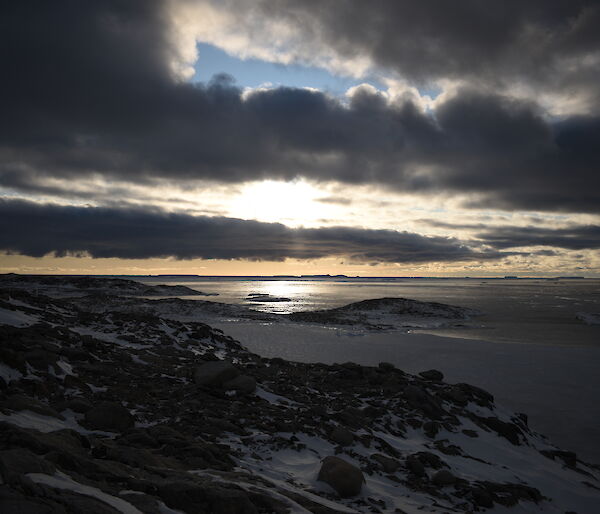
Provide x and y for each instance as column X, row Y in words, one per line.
column 384, row 138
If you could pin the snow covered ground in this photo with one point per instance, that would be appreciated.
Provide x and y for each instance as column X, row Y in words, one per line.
column 421, row 444
column 591, row 318
column 558, row 387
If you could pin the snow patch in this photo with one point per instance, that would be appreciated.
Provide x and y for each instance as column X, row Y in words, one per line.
column 8, row 373
column 63, row 481
column 16, row 318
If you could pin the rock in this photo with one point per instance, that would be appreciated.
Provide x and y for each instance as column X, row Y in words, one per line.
column 415, row 465
column 507, row 430
column 476, row 394
column 243, row 384
column 88, row 504
column 352, row 417
column 455, row 395
column 41, row 359
column 208, row 497
column 482, row 498
column 388, row 464
column 341, row 436
column 109, row 416
column 80, row 405
column 13, row 502
column 345, row 478
column 386, row 366
column 431, row 428
column 431, row 460
column 20, row 461
column 73, row 382
column 508, row 494
column 138, row 439
column 432, row 374
column 19, row 402
column 443, row 478
column 143, row 502
column 215, row 373
column 419, row 398
column 569, row 458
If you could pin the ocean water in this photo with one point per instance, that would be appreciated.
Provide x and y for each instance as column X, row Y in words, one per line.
column 526, row 311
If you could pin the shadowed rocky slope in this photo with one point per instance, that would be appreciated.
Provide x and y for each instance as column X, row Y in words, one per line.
column 108, row 410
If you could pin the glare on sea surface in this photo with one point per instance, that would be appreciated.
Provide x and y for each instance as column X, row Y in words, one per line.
column 291, row 295
column 292, row 203
column 282, row 289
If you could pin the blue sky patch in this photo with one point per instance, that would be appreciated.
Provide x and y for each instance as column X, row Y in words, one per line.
column 254, row 72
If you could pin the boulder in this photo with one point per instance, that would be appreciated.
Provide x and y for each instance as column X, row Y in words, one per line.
column 341, row 436
column 19, row 402
column 443, row 478
column 415, row 465
column 388, row 464
column 243, row 384
column 502, row 428
column 205, row 497
column 431, row 428
column 345, row 478
column 215, row 373
column 432, row 374
column 13, row 501
column 431, row 460
column 20, row 461
column 80, row 405
column 482, row 498
column 109, row 416
column 455, row 395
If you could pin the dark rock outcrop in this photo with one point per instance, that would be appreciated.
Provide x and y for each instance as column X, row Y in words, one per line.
column 345, row 478
column 109, row 416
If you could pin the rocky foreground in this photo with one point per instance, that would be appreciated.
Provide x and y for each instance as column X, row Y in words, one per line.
column 108, row 409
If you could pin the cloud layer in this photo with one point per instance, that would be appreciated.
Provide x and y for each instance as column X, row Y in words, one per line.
column 92, row 91
column 36, row 230
column 526, row 42
column 500, row 237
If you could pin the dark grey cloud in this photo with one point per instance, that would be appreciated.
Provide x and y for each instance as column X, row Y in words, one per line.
column 335, row 200
column 36, row 230
column 577, row 237
column 572, row 237
column 90, row 91
column 547, row 43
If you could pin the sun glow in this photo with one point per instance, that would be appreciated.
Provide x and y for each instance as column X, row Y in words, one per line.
column 292, row 203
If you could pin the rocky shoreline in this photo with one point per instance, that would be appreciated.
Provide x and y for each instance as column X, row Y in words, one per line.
column 62, row 286
column 104, row 410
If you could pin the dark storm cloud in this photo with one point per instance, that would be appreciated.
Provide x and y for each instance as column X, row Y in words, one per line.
column 572, row 237
column 534, row 41
column 89, row 90
column 36, row 230
column 578, row 237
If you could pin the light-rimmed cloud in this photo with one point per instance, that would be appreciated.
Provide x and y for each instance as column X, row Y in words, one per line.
column 536, row 46
column 33, row 229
